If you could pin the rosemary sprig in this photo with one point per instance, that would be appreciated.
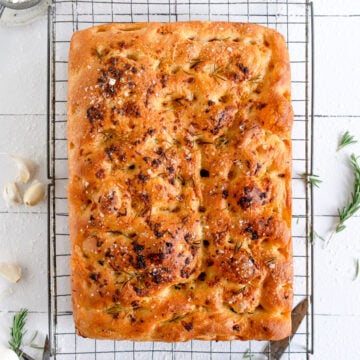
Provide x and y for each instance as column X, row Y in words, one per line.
column 17, row 331
column 354, row 204
column 311, row 179
column 345, row 140
column 357, row 269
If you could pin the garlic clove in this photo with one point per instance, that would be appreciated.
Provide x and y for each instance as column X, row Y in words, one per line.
column 34, row 194
column 26, row 167
column 12, row 195
column 7, row 354
column 10, row 272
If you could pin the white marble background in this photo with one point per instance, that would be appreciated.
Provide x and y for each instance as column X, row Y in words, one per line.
column 337, row 109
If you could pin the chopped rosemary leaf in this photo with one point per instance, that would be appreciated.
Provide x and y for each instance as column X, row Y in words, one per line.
column 36, row 333
column 113, row 310
column 195, row 62
column 345, row 140
column 311, row 179
column 219, row 73
column 221, row 141
column 314, row 235
column 177, row 317
column 271, row 260
column 237, row 247
column 17, row 331
column 256, row 79
column 318, row 236
column 32, row 342
column 357, row 269
column 354, row 204
column 98, row 54
column 247, row 354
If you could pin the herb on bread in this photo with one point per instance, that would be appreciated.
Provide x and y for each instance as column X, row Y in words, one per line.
column 219, row 73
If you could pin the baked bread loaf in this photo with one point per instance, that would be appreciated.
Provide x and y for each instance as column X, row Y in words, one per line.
column 180, row 182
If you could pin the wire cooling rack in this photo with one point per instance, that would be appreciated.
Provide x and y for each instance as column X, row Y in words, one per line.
column 293, row 18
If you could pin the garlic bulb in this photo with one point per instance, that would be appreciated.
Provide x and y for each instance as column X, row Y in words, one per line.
column 12, row 195
column 35, row 193
column 10, row 272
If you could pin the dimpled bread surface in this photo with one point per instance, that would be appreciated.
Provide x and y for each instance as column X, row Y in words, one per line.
column 179, row 141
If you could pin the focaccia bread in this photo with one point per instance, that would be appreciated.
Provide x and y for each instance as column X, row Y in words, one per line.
column 180, row 182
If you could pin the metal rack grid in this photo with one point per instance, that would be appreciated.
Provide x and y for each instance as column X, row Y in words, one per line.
column 293, row 18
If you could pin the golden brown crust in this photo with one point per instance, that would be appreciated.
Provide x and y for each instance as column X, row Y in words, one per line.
column 179, row 190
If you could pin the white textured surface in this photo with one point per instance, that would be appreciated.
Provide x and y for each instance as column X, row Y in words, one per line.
column 337, row 108
column 23, row 65
column 23, row 237
column 340, row 82
column 331, row 165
